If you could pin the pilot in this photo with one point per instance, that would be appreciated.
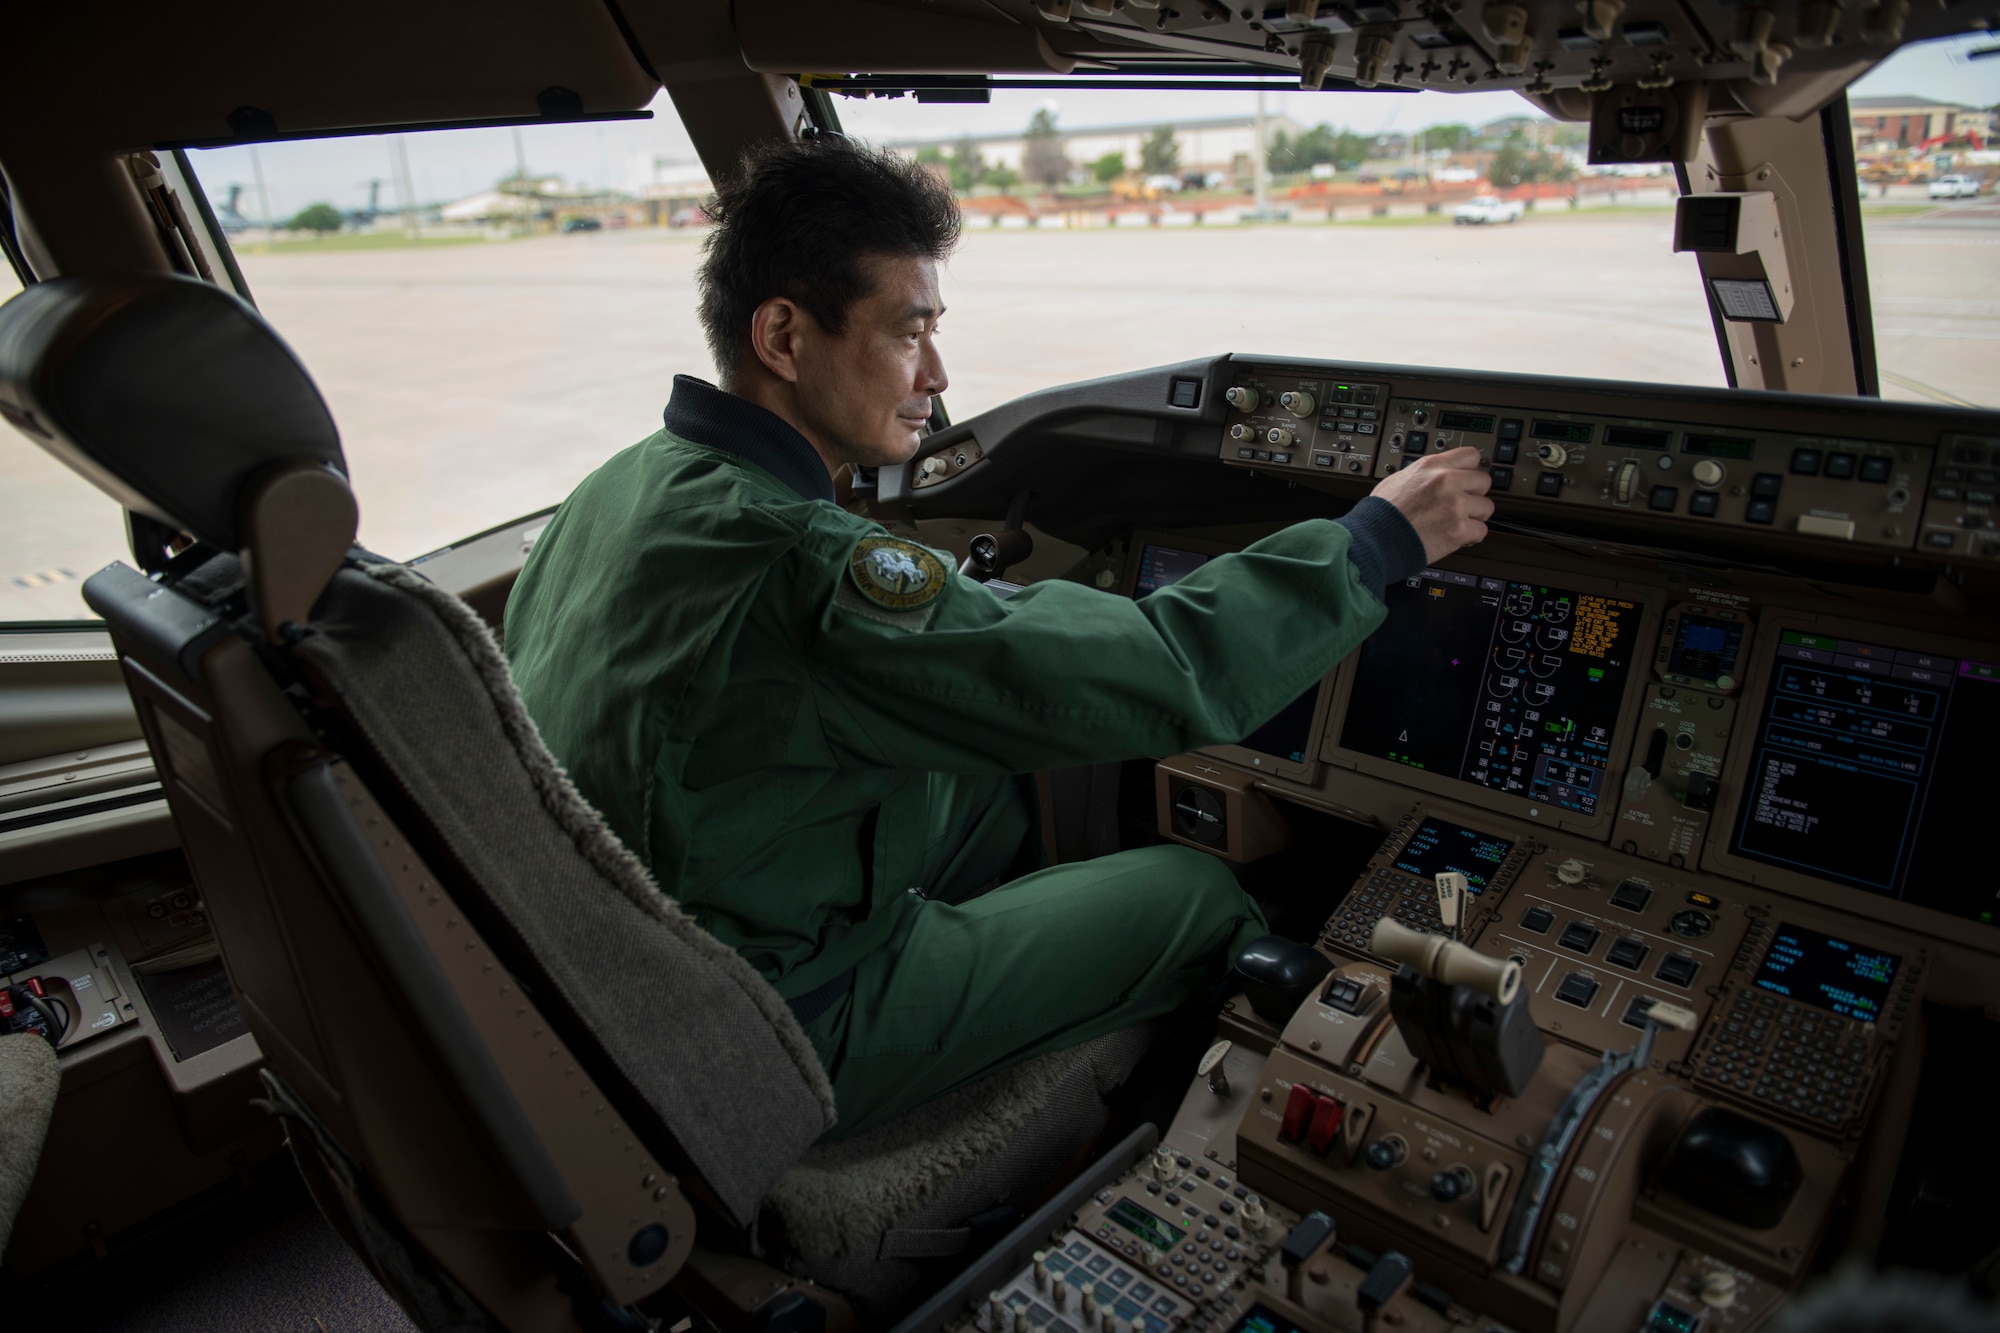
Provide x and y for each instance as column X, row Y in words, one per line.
column 815, row 731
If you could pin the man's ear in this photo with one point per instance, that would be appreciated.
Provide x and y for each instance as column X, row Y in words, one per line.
column 775, row 330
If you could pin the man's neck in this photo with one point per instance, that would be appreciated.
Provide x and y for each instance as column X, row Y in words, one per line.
column 781, row 399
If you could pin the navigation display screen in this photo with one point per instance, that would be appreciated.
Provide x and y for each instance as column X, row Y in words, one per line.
column 1288, row 735
column 1514, row 687
column 1871, row 766
column 1437, row 847
column 1827, row 973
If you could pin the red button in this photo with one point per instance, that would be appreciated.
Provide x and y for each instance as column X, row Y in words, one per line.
column 1325, row 1124
column 1298, row 1110
column 6, row 1003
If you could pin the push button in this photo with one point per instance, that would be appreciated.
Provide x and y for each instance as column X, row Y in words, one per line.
column 1760, row 511
column 1579, row 937
column 1766, row 485
column 1416, row 441
column 1664, row 498
column 1510, row 429
column 1627, row 953
column 1875, row 469
column 1676, row 969
column 1702, row 504
column 1507, row 451
column 1538, row 919
column 1503, row 478
column 1942, row 541
column 1840, row 466
column 1577, row 989
column 1805, row 462
column 1549, row 483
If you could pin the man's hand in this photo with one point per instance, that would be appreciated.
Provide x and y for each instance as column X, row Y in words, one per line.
column 1444, row 498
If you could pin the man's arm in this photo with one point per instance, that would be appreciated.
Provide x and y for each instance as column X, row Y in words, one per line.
column 1063, row 674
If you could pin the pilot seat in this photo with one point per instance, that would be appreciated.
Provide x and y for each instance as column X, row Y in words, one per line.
column 521, row 1082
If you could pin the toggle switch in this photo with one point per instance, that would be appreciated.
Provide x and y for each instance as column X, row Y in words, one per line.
column 1325, row 1126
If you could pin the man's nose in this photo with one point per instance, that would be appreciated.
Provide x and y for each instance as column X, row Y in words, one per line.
column 931, row 376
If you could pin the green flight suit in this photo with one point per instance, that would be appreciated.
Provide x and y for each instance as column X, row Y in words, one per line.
column 830, row 785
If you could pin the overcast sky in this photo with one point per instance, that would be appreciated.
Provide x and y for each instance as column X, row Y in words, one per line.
column 453, row 164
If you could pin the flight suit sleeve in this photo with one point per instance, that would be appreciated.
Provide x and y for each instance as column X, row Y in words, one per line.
column 1062, row 674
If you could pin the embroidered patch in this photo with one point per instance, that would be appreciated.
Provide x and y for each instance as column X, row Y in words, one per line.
column 896, row 575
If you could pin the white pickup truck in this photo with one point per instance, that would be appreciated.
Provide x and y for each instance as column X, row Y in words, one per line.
column 1955, row 187
column 1485, row 208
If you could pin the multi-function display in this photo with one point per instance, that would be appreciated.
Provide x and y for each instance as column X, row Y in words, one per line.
column 1288, row 735
column 1514, row 687
column 1437, row 847
column 1871, row 766
column 1827, row 973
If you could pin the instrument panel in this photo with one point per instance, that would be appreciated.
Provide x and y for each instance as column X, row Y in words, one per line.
column 1560, row 454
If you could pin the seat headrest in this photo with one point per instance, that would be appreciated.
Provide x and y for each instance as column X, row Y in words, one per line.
column 167, row 393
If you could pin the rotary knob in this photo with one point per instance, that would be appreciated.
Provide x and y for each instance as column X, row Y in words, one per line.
column 1253, row 1215
column 1244, row 398
column 1449, row 1186
column 1552, row 454
column 1570, row 871
column 1240, row 431
column 934, row 467
column 1626, row 484
column 1385, row 1153
column 1708, row 472
column 1299, row 403
column 1278, row 437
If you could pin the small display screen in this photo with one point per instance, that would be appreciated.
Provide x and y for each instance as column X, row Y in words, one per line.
column 1871, row 765
column 1163, row 566
column 1155, row 1231
column 1827, row 973
column 1286, row 736
column 1718, row 446
column 1465, row 421
column 1705, row 649
column 1569, row 432
column 1632, row 437
column 1437, row 847
column 1260, row 1318
column 1510, row 686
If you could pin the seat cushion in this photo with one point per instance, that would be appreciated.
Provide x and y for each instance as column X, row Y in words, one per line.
column 29, row 1075
column 863, row 1215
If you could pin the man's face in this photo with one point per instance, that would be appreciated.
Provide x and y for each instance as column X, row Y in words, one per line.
column 867, row 392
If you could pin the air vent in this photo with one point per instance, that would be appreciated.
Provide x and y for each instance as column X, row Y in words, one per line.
column 1199, row 815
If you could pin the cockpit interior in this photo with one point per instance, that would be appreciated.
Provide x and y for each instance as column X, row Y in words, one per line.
column 1637, row 966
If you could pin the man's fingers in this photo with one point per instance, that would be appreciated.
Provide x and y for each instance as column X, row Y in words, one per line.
column 1480, row 509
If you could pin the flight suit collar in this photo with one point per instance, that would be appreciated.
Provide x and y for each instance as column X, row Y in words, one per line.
column 703, row 414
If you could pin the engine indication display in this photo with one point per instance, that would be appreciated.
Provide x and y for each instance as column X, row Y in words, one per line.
column 1437, row 847
column 1511, row 686
column 1870, row 765
column 1827, row 973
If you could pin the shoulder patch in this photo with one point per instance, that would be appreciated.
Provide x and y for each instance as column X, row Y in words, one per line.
column 896, row 575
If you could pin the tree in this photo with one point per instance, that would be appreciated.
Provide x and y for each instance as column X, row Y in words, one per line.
column 1320, row 144
column 1517, row 164
column 1452, row 135
column 1160, row 155
column 319, row 218
column 1003, row 178
column 1042, row 160
column 968, row 168
column 1108, row 168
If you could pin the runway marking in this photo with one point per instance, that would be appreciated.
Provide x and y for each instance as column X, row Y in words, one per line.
column 44, row 579
column 1917, row 386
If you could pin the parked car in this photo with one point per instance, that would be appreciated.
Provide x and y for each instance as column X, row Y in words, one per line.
column 582, row 224
column 1485, row 208
column 1955, row 187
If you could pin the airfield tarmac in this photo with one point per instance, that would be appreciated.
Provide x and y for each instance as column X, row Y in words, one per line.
column 474, row 383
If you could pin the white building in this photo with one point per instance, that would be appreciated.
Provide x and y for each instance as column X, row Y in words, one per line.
column 1221, row 143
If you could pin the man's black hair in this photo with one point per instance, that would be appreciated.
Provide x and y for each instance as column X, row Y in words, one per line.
column 798, row 220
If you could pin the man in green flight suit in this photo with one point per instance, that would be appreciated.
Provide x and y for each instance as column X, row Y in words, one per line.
column 813, row 731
